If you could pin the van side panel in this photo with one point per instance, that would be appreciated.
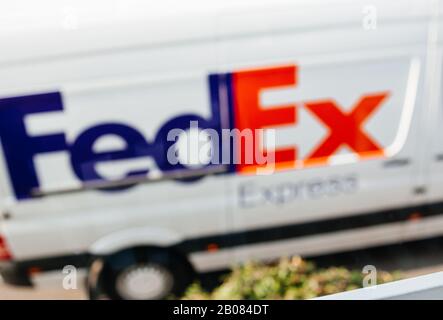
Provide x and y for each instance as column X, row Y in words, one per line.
column 141, row 92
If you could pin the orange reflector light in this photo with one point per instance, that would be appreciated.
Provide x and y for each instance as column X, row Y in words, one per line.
column 34, row 270
column 212, row 247
column 415, row 216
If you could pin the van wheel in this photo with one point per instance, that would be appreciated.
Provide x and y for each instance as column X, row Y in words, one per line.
column 140, row 274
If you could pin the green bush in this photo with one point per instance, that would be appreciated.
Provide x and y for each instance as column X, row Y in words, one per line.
column 288, row 279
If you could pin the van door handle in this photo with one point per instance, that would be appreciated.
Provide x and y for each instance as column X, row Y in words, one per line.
column 397, row 163
column 439, row 157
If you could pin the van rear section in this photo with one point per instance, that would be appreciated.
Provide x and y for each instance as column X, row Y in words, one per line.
column 263, row 130
column 10, row 272
column 8, row 268
column 5, row 253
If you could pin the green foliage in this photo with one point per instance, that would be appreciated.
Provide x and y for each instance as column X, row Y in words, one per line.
column 288, row 279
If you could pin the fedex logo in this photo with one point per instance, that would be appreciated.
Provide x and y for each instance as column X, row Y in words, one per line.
column 235, row 105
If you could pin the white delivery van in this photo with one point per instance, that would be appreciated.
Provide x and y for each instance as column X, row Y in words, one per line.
column 317, row 125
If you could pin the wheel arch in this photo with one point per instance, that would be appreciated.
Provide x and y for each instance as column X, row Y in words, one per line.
column 135, row 237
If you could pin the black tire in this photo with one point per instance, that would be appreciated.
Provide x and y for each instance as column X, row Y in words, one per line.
column 171, row 273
